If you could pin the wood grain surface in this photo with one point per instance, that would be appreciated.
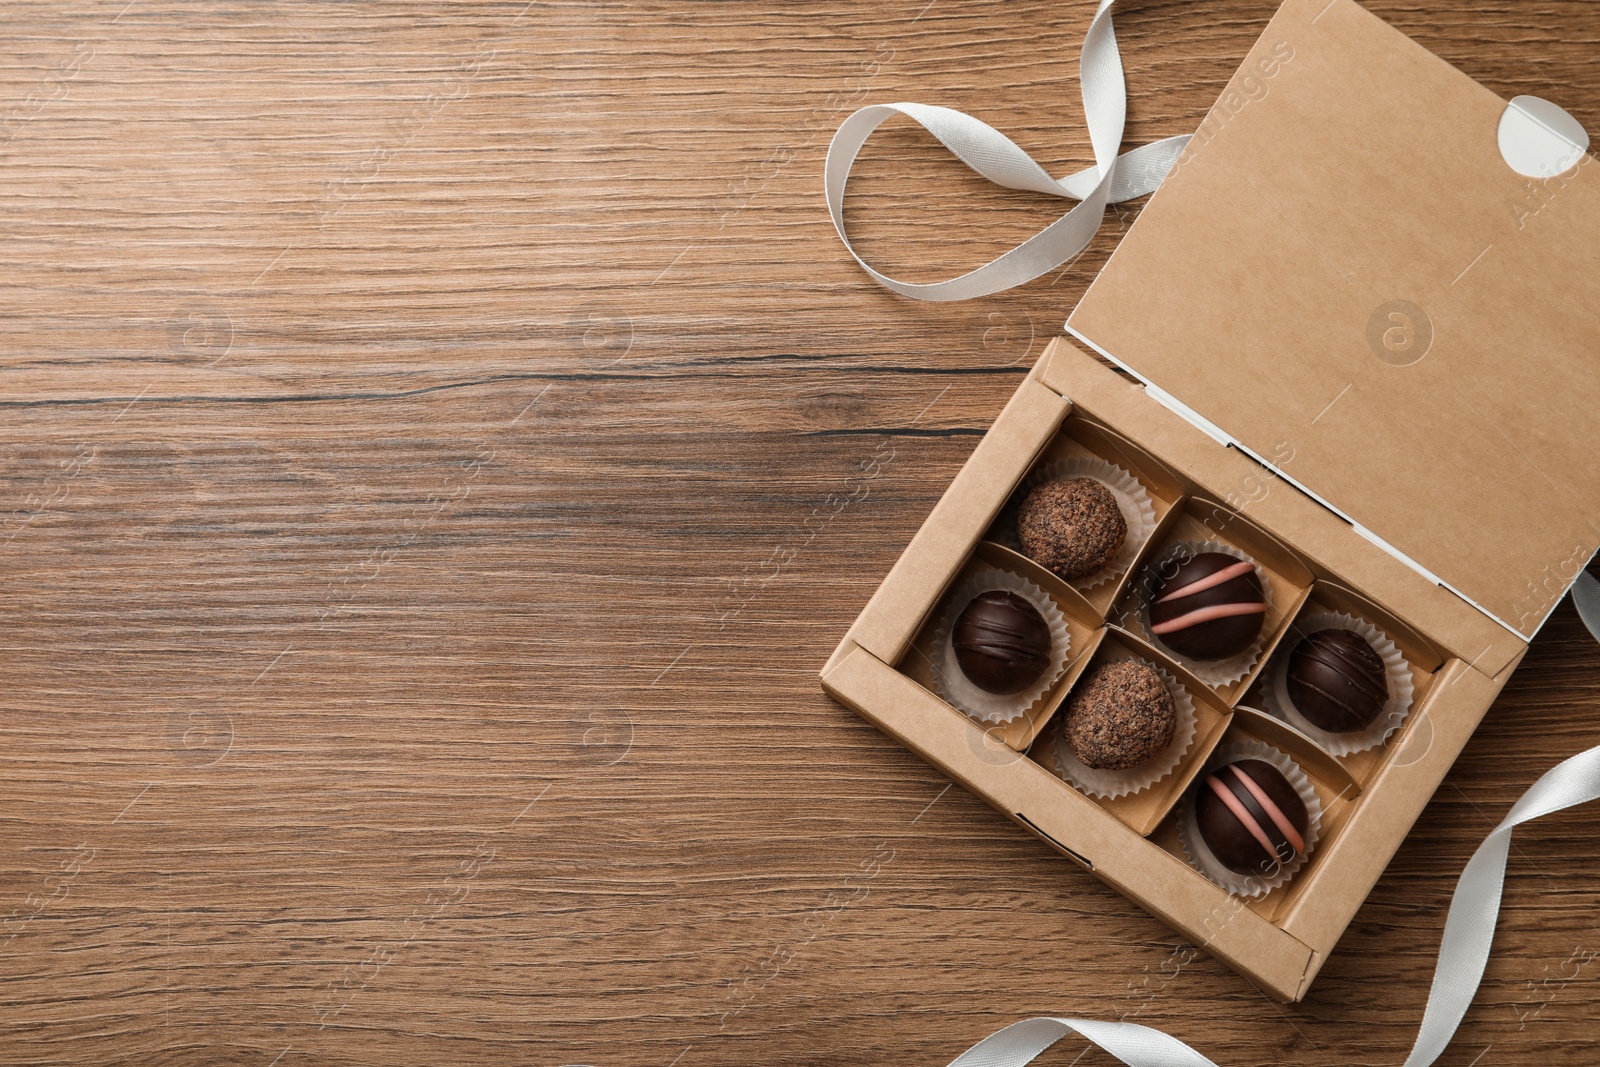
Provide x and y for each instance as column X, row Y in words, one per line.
column 423, row 427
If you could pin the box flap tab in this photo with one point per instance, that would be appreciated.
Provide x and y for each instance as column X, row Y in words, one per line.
column 1345, row 270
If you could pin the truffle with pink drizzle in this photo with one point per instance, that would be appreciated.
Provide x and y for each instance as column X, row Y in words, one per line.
column 1209, row 607
column 1251, row 817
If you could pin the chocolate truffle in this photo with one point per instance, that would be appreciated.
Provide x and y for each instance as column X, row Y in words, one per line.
column 1210, row 607
column 1337, row 681
column 1250, row 817
column 1002, row 643
column 1073, row 526
column 1121, row 717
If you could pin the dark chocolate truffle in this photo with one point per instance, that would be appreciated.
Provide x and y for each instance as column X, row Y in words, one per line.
column 1250, row 817
column 1002, row 642
column 1337, row 681
column 1121, row 717
column 1073, row 526
column 1210, row 607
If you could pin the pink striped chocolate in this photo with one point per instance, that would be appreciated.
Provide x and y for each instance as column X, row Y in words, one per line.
column 1251, row 817
column 1210, row 607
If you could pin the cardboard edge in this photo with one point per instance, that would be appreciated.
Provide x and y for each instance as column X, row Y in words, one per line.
column 1281, row 735
column 1317, row 535
column 1408, row 780
column 1289, row 18
column 1213, row 724
column 1272, row 959
column 889, row 622
column 1072, row 602
column 840, row 651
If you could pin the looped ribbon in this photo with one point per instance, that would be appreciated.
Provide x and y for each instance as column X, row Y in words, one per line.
column 1463, row 951
column 1111, row 180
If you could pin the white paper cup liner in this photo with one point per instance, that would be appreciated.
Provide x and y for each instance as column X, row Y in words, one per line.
column 1132, row 498
column 1110, row 784
column 1218, row 673
column 1198, row 853
column 1401, row 690
column 951, row 682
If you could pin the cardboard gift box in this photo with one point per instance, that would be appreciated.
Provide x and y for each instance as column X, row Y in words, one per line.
column 1360, row 349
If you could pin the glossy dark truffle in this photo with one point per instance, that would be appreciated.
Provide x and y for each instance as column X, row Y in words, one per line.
column 1073, row 526
column 1121, row 716
column 1250, row 817
column 1002, row 643
column 1208, row 607
column 1337, row 681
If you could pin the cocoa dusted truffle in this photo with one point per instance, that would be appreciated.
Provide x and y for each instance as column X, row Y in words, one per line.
column 1337, row 681
column 1002, row 643
column 1122, row 716
column 1250, row 817
column 1072, row 526
column 1210, row 607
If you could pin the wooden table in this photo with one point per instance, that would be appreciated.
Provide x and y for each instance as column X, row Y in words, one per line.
column 423, row 428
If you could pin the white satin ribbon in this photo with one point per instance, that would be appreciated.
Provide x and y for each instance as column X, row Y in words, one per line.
column 1586, row 598
column 995, row 156
column 1463, row 951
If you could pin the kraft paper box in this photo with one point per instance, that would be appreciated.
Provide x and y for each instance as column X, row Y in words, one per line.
column 1360, row 348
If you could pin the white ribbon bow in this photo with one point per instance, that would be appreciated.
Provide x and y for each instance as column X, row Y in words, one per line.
column 995, row 156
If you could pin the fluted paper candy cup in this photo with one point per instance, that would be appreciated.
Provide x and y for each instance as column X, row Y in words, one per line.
column 1397, row 674
column 1199, row 854
column 1111, row 784
column 1133, row 501
column 951, row 683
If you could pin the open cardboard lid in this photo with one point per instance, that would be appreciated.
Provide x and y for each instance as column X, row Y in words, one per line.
column 1345, row 278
